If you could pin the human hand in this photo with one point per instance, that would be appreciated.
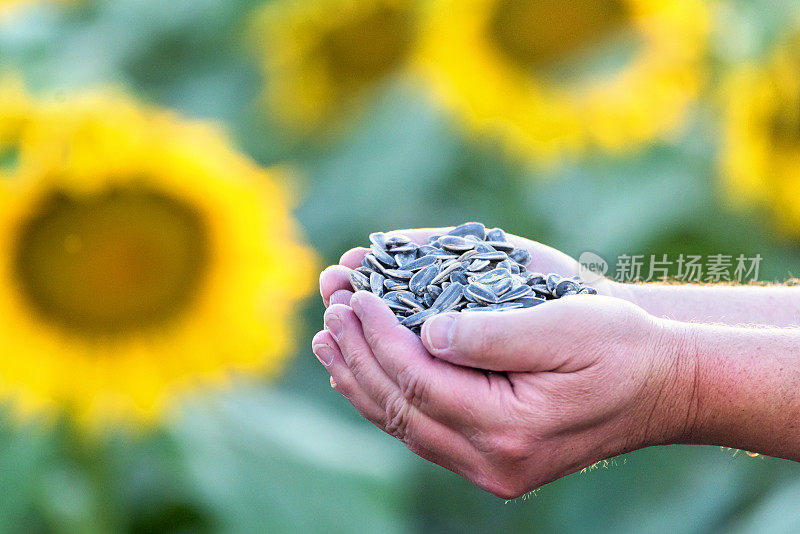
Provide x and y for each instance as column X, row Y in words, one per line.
column 577, row 380
column 335, row 281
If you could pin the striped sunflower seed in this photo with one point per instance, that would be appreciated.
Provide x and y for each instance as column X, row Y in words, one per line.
column 419, row 317
column 423, row 278
column 359, row 281
column 376, row 283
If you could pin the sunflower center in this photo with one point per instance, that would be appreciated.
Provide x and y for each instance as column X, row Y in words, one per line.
column 369, row 45
column 125, row 260
column 540, row 33
column 784, row 123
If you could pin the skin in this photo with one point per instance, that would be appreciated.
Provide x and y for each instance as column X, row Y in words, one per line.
column 514, row 400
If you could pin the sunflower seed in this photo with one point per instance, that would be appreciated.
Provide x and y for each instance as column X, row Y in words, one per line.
column 552, row 281
column 371, row 262
column 493, row 276
column 521, row 256
column 399, row 273
column 419, row 317
column 480, row 293
column 419, row 263
column 396, row 240
column 445, row 272
column 491, row 256
column 449, row 297
column 470, row 228
column 409, row 301
column 501, row 245
column 588, row 291
column 505, row 264
column 502, row 285
column 378, row 239
column 515, row 293
column 496, row 234
column 393, row 285
column 541, row 289
column 423, row 278
column 407, row 248
column 530, row 302
column 467, row 255
column 427, row 300
column 382, row 256
column 534, row 279
column 359, row 281
column 395, row 306
column 460, row 277
column 434, row 290
column 376, row 283
column 565, row 286
column 365, row 270
column 507, row 306
column 455, row 243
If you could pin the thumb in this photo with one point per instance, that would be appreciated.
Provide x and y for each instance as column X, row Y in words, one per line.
column 517, row 340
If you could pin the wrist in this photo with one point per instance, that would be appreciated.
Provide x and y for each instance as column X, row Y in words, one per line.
column 673, row 380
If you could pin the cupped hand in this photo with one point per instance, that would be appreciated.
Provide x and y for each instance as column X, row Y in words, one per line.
column 544, row 259
column 511, row 400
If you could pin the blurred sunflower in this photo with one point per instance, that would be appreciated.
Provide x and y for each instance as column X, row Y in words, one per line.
column 556, row 76
column 761, row 155
column 9, row 6
column 322, row 58
column 14, row 112
column 139, row 255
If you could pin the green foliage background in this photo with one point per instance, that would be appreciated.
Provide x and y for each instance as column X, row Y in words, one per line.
column 294, row 456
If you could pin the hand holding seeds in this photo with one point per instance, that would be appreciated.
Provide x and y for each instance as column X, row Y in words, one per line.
column 510, row 400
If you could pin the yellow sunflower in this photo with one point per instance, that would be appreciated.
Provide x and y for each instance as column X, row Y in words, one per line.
column 557, row 76
column 322, row 58
column 9, row 6
column 14, row 112
column 139, row 255
column 761, row 154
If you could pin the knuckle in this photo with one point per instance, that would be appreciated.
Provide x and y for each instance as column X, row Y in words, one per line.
column 501, row 486
column 505, row 448
column 412, row 386
column 358, row 361
column 397, row 418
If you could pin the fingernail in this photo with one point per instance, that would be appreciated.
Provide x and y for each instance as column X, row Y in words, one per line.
column 439, row 331
column 334, row 325
column 355, row 303
column 341, row 296
column 323, row 353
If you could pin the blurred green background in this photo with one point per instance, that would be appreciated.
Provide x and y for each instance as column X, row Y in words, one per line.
column 292, row 455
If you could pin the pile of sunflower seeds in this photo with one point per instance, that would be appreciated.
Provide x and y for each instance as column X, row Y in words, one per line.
column 469, row 269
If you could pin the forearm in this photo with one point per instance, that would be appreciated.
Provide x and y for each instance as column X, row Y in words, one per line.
column 739, row 388
column 732, row 305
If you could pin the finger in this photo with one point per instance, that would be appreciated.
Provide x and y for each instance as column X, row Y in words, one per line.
column 526, row 340
column 393, row 414
column 456, row 396
column 332, row 279
column 346, row 330
column 342, row 296
column 342, row 380
column 352, row 258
